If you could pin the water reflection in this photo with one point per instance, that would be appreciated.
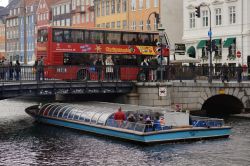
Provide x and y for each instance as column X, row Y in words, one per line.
column 25, row 142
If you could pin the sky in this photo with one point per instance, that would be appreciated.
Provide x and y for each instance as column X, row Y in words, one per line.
column 3, row 3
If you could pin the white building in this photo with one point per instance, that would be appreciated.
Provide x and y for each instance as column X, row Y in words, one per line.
column 171, row 17
column 230, row 22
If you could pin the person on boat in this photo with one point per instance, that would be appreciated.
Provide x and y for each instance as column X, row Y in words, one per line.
column 148, row 123
column 157, row 124
column 119, row 117
column 162, row 121
column 131, row 121
column 131, row 118
column 140, row 118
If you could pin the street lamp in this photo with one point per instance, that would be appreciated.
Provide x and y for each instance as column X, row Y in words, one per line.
column 210, row 78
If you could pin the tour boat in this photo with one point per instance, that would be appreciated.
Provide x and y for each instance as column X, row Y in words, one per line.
column 178, row 126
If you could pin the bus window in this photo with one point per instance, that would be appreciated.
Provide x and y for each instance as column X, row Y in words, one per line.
column 130, row 38
column 77, row 36
column 113, row 37
column 96, row 37
column 144, row 39
column 67, row 36
column 155, row 39
column 42, row 35
column 125, row 60
column 76, row 59
column 57, row 35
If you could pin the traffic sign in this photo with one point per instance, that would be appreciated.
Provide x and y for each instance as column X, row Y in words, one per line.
column 209, row 33
column 162, row 91
column 238, row 54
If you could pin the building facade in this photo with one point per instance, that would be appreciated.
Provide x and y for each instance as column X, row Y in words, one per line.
column 3, row 13
column 44, row 13
column 230, row 23
column 83, row 14
column 28, row 17
column 172, row 10
column 143, row 15
column 12, row 31
column 111, row 14
column 61, row 13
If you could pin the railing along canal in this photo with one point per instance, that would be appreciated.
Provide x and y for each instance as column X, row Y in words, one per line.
column 118, row 73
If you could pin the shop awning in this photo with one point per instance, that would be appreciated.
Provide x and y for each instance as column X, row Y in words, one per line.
column 217, row 42
column 191, row 52
column 201, row 44
column 229, row 41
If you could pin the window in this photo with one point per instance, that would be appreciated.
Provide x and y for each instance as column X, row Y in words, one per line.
column 232, row 15
column 205, row 18
column 133, row 26
column 98, row 9
column 133, row 5
column 124, row 6
column 118, row 24
column 141, row 25
column 148, row 25
column 147, row 4
column 58, row 10
column 62, row 9
column 118, row 4
column 112, row 6
column 68, row 8
column 83, row 18
column 103, row 8
column 87, row 17
column 192, row 20
column 107, row 25
column 124, row 24
column 218, row 16
column 107, row 7
column 156, row 3
column 140, row 4
column 155, row 24
column 112, row 25
column 68, row 22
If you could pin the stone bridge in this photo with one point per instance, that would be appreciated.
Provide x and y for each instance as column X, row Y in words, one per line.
column 215, row 97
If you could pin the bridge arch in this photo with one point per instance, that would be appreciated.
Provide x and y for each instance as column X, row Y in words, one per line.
column 222, row 104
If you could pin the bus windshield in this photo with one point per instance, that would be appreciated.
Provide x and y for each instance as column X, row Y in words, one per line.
column 42, row 35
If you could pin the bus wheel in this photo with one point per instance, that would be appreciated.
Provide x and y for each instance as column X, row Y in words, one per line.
column 83, row 75
column 141, row 76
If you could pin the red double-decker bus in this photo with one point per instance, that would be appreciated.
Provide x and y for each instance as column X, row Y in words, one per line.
column 76, row 50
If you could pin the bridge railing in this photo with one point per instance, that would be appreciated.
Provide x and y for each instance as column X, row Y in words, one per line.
column 117, row 73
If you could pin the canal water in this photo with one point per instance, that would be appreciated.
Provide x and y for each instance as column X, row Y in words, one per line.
column 23, row 142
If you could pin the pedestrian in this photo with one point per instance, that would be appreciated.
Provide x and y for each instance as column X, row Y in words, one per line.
column 34, row 69
column 99, row 64
column 11, row 71
column 109, row 68
column 40, row 68
column 145, row 68
column 17, row 70
column 225, row 72
column 239, row 73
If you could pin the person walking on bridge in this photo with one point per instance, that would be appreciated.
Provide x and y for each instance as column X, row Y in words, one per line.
column 225, row 72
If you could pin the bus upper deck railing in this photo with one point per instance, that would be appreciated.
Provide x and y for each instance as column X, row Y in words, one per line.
column 119, row 73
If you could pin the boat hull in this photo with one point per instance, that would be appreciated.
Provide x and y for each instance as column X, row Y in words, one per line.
column 172, row 135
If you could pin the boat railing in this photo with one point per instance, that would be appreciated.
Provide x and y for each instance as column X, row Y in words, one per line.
column 135, row 126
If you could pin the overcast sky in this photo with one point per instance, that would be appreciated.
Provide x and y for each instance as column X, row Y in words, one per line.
column 3, row 3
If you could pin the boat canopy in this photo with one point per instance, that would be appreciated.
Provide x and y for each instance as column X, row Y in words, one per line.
column 91, row 114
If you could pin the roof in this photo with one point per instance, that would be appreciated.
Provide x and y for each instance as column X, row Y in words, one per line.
column 62, row 2
column 50, row 2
